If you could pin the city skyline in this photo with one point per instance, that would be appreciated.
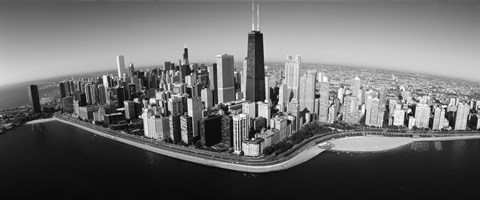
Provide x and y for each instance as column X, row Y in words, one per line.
column 437, row 38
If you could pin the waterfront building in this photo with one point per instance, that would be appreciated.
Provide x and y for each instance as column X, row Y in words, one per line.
column 113, row 119
column 461, row 116
column 86, row 112
column 399, row 117
column 120, row 66
column 194, row 109
column 210, row 130
column 227, row 130
column 422, row 115
column 34, row 98
column 324, row 103
column 411, row 122
column 438, row 119
column 62, row 87
column 175, row 128
column 293, row 109
column 351, row 109
column 241, row 129
column 186, row 129
column 253, row 147
column 368, row 110
column 158, row 128
column 67, row 104
column 226, row 86
column 281, row 126
column 332, row 114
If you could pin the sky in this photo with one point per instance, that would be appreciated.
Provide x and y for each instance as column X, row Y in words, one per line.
column 48, row 38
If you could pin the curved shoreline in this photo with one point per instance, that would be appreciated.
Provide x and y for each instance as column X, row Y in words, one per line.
column 300, row 158
column 303, row 153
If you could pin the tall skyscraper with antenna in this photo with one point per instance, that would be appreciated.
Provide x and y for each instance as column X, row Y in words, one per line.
column 120, row 66
column 255, row 72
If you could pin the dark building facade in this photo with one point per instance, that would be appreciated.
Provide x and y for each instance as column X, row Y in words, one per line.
column 34, row 98
column 211, row 130
column 255, row 85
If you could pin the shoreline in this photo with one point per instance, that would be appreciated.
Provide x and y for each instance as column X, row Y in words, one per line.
column 300, row 158
column 40, row 120
column 374, row 143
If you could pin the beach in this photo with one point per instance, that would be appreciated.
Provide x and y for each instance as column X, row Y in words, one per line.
column 382, row 143
column 40, row 121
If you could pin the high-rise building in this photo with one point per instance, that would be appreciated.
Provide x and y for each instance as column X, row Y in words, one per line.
column 422, row 115
column 120, row 66
column 307, row 92
column 62, row 86
column 399, row 117
column 438, row 118
column 264, row 110
column 131, row 70
column 212, row 81
column 186, row 129
column 88, row 93
column 350, row 109
column 292, row 75
column 207, row 97
column 175, row 106
column 374, row 116
column 211, row 130
column 129, row 109
column 324, row 103
column 194, row 108
column 227, row 130
column 411, row 122
column 340, row 93
column 293, row 108
column 255, row 72
column 462, row 116
column 175, row 128
column 283, row 97
column 67, row 104
column 102, row 95
column 226, row 86
column 241, row 128
column 355, row 87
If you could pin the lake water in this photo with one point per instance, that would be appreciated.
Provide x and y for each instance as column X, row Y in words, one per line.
column 65, row 161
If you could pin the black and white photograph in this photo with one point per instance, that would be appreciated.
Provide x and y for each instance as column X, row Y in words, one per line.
column 239, row 99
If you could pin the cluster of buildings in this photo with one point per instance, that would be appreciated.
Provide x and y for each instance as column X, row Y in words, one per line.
column 245, row 110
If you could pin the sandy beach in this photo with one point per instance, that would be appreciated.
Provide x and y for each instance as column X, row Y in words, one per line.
column 381, row 143
column 40, row 120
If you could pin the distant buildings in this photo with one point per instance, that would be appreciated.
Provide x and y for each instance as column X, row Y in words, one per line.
column 120, row 66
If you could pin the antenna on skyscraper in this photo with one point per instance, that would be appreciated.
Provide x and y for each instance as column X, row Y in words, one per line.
column 253, row 16
column 258, row 17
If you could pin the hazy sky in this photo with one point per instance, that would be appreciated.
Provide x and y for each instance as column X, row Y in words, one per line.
column 40, row 39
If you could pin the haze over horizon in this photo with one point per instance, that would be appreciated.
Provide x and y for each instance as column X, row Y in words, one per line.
column 48, row 38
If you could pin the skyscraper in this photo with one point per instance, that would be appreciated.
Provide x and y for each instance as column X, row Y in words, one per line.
column 212, row 81
column 194, row 108
column 292, row 75
column 351, row 109
column 34, row 98
column 355, row 87
column 307, row 92
column 462, row 115
column 422, row 115
column 241, row 128
column 255, row 85
column 324, row 101
column 226, row 86
column 120, row 66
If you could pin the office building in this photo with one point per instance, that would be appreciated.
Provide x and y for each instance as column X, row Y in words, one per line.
column 210, row 130
column 226, row 86
column 34, row 98
column 194, row 109
column 120, row 66
column 324, row 103
column 241, row 128
column 462, row 116
column 186, row 129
